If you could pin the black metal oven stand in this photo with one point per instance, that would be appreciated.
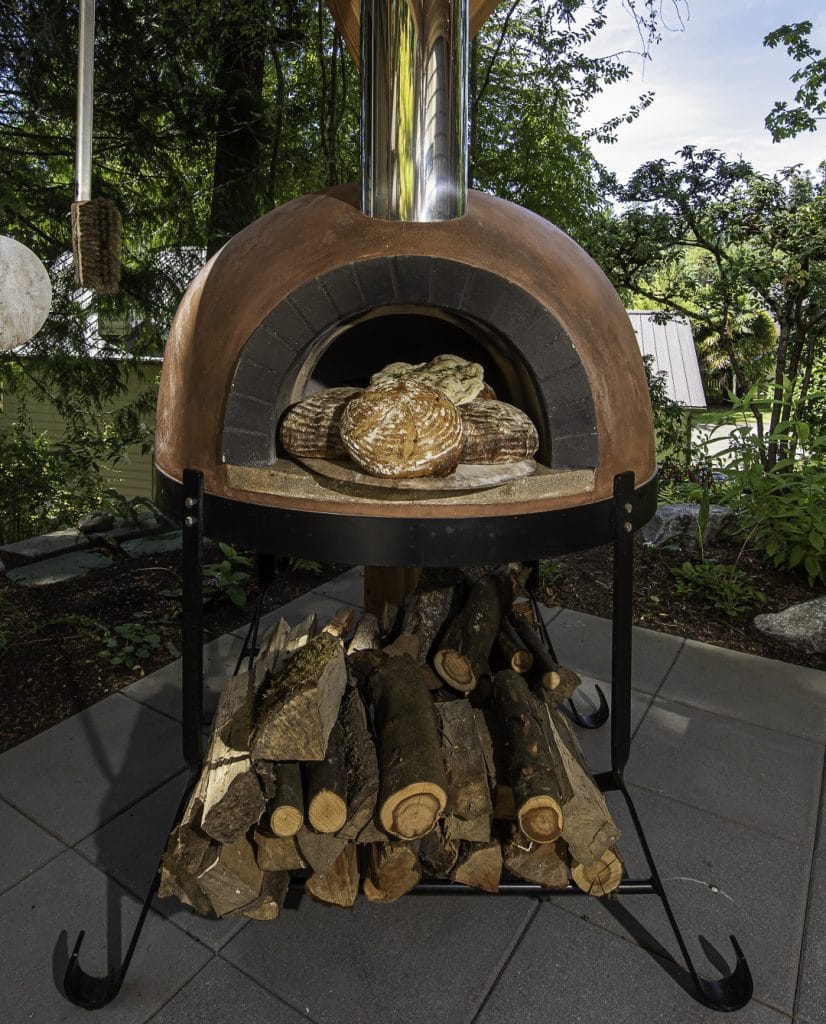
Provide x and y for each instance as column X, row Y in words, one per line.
column 726, row 994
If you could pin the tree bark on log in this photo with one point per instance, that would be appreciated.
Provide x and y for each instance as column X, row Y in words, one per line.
column 425, row 614
column 287, row 809
column 273, row 891
column 543, row 864
column 277, row 853
column 479, row 865
column 555, row 679
column 600, row 878
column 468, row 791
column 511, row 649
column 327, row 786
column 413, row 786
column 361, row 766
column 437, row 853
column 588, row 829
column 464, row 650
column 393, row 871
column 300, row 705
column 538, row 790
column 339, row 886
column 459, row 829
column 367, row 636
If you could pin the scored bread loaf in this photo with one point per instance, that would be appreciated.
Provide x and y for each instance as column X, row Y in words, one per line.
column 459, row 379
column 403, row 429
column 496, row 432
column 310, row 428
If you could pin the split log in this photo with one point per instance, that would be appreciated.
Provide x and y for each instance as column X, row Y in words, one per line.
column 588, row 828
column 459, row 829
column 465, row 648
column 300, row 705
column 339, row 886
column 371, row 833
column 277, row 853
column 187, row 854
column 319, row 849
column 271, row 900
column 327, row 786
column 600, row 878
column 425, row 614
column 287, row 810
column 511, row 649
column 544, row 864
column 468, row 791
column 479, row 865
column 413, row 787
column 538, row 790
column 361, row 766
column 555, row 679
column 437, row 853
column 341, row 623
column 232, row 880
column 393, row 870
column 233, row 799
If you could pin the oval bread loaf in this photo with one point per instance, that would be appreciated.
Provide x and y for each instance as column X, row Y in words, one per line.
column 310, row 428
column 403, row 429
column 496, row 432
column 459, row 379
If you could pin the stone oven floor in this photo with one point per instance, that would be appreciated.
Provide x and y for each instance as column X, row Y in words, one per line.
column 726, row 769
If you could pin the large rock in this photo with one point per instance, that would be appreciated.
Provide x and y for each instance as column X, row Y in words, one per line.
column 677, row 525
column 802, row 626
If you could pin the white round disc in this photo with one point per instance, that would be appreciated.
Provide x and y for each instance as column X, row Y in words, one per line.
column 25, row 293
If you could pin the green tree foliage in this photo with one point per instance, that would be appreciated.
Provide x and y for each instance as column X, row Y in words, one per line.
column 786, row 121
column 763, row 246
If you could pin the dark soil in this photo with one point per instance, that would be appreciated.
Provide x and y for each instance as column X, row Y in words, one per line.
column 53, row 638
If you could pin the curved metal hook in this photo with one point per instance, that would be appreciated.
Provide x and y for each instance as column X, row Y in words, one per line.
column 732, row 992
column 92, row 993
column 593, row 720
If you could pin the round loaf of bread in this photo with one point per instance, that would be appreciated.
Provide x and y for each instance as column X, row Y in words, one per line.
column 496, row 432
column 310, row 429
column 459, row 379
column 403, row 429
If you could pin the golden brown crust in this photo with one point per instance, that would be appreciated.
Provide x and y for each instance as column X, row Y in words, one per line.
column 496, row 432
column 310, row 429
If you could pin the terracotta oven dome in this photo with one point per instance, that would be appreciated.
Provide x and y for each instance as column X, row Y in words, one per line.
column 316, row 294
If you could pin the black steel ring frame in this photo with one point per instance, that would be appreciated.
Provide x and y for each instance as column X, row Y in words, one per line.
column 618, row 517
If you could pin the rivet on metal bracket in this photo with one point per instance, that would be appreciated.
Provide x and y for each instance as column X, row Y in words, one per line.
column 628, row 507
column 193, row 503
column 628, row 527
column 190, row 520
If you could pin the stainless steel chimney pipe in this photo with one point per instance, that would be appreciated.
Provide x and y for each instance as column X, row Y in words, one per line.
column 414, row 60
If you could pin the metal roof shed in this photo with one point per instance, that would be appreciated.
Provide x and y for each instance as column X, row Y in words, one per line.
column 672, row 346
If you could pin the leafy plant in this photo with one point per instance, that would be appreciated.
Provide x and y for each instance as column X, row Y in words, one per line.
column 724, row 587
column 305, row 565
column 228, row 577
column 131, row 643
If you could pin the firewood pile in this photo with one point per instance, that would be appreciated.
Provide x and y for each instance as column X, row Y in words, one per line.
column 431, row 743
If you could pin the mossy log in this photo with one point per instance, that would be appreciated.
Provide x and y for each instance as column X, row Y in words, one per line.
column 538, row 788
column 413, row 786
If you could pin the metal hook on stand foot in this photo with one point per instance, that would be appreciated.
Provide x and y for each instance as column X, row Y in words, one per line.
column 589, row 720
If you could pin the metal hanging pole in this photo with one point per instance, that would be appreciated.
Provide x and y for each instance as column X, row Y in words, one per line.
column 85, row 94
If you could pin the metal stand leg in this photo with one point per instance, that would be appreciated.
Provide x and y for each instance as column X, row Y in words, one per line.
column 81, row 988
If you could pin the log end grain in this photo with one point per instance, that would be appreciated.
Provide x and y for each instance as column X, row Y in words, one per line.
column 541, row 819
column 412, row 812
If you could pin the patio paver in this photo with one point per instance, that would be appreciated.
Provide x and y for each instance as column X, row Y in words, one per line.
column 811, row 1003
column 59, row 569
column 26, row 847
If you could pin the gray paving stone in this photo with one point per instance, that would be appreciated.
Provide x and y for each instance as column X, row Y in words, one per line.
column 79, row 774
column 759, row 778
column 220, row 994
column 567, row 970
column 46, row 545
column 56, row 570
column 325, row 607
column 722, row 879
column 348, row 587
column 129, row 847
column 583, row 642
column 155, row 544
column 161, row 690
column 419, row 959
column 596, row 743
column 39, row 922
column 785, row 697
column 811, row 993
column 26, row 847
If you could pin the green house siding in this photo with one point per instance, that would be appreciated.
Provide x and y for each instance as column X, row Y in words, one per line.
column 132, row 476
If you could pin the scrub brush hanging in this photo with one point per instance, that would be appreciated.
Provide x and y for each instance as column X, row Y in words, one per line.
column 96, row 223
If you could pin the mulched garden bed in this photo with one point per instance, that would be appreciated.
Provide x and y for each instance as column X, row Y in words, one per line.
column 52, row 638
